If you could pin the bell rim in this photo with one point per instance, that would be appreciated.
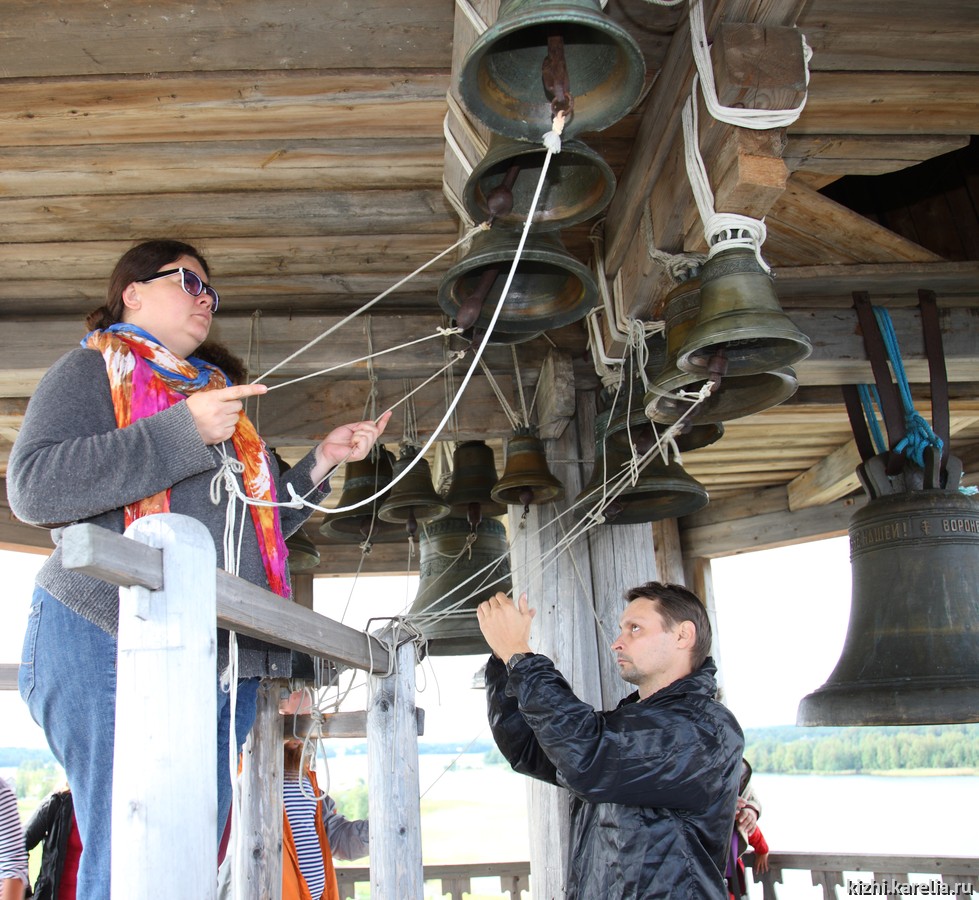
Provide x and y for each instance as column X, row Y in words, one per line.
column 707, row 414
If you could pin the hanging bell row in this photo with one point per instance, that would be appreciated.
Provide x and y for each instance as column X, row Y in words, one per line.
column 542, row 57
column 738, row 393
column 362, row 479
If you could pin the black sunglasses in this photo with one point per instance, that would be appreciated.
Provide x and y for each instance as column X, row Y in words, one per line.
column 191, row 282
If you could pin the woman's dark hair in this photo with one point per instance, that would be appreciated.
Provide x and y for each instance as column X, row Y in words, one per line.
column 138, row 262
column 142, row 261
column 676, row 604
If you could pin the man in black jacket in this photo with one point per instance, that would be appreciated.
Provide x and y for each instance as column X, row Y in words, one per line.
column 654, row 782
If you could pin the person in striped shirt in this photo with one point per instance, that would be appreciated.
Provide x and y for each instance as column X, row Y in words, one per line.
column 312, row 833
column 13, row 850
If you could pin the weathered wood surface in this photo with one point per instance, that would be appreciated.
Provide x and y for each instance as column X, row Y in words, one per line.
column 393, row 786
column 257, row 852
column 241, row 606
column 165, row 692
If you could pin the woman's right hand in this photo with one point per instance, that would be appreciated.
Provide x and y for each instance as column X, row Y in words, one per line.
column 216, row 412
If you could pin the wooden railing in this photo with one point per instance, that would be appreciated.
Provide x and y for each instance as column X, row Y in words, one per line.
column 834, row 875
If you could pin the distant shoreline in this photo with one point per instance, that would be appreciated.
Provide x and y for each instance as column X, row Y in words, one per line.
column 887, row 773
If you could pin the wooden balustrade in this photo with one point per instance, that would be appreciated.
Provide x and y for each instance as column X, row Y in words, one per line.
column 838, row 875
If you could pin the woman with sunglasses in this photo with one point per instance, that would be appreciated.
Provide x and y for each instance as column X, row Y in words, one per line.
column 135, row 422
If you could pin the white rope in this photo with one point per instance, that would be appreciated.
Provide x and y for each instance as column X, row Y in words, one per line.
column 722, row 230
column 759, row 119
column 439, row 332
column 494, row 384
column 552, row 142
column 468, row 236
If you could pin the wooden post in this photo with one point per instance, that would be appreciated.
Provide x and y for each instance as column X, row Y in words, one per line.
column 258, row 850
column 393, row 788
column 164, row 796
column 564, row 629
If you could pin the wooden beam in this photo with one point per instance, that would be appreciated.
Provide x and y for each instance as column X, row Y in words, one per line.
column 915, row 103
column 760, row 520
column 241, row 605
column 835, row 476
column 661, row 119
column 180, row 38
column 837, row 155
column 221, row 106
column 804, row 227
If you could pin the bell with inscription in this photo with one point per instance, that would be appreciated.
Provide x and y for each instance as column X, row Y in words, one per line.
column 911, row 654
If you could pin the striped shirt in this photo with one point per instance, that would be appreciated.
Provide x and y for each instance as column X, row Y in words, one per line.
column 13, row 852
column 303, row 813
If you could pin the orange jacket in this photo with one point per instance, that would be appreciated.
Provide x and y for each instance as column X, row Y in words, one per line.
column 293, row 884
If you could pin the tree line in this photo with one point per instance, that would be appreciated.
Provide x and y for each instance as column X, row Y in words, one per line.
column 791, row 749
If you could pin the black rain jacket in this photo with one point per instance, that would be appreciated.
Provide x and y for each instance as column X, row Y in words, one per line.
column 654, row 782
column 51, row 823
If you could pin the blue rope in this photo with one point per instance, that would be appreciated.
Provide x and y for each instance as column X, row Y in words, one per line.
column 870, row 401
column 918, row 433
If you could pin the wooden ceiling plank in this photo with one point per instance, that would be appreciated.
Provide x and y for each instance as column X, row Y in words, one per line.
column 243, row 214
column 914, row 103
column 263, row 165
column 180, row 36
column 226, row 106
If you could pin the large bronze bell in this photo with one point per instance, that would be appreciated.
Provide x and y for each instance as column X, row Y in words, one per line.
column 579, row 184
column 734, row 396
column 526, row 479
column 473, row 477
column 662, row 491
column 541, row 56
column 413, row 498
column 452, row 582
column 741, row 329
column 362, row 479
column 911, row 654
column 549, row 289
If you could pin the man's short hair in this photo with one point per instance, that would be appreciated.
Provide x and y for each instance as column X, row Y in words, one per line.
column 676, row 604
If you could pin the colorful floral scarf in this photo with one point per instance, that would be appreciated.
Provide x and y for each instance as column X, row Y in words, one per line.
column 146, row 378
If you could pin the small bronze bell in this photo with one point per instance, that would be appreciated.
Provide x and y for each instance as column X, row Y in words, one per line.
column 413, row 498
column 303, row 554
column 579, row 185
column 541, row 56
column 473, row 477
column 731, row 398
column 526, row 479
column 549, row 289
column 456, row 566
column 362, row 479
column 662, row 490
column 741, row 329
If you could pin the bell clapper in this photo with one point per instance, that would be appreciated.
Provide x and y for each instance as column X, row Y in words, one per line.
column 472, row 306
column 411, row 523
column 716, row 368
column 526, row 497
column 474, row 516
column 554, row 73
column 499, row 201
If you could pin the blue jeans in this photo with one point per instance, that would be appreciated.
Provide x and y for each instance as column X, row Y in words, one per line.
column 68, row 680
